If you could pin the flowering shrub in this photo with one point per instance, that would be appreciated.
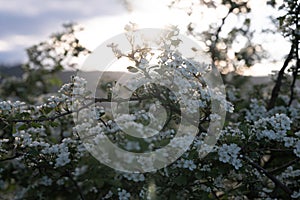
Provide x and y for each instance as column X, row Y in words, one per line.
column 43, row 156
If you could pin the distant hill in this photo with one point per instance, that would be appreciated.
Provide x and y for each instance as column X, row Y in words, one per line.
column 17, row 71
column 11, row 70
column 246, row 83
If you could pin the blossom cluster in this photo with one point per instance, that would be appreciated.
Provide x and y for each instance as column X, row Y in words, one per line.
column 42, row 150
column 229, row 154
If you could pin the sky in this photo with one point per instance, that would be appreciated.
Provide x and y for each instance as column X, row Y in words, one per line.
column 27, row 22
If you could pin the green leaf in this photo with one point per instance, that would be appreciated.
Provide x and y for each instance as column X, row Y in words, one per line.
column 47, row 110
column 132, row 69
column 180, row 180
column 36, row 125
column 281, row 19
column 23, row 115
column 198, row 175
column 53, row 124
column 271, row 3
column 33, row 152
column 55, row 81
column 22, row 127
column 175, row 42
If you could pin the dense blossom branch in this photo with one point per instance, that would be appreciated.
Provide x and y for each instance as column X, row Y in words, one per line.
column 56, row 162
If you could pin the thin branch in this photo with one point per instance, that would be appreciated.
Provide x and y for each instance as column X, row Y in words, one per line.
column 53, row 117
column 103, row 122
column 295, row 71
column 270, row 176
column 3, row 120
column 271, row 149
column 101, row 100
column 217, row 35
column 10, row 158
column 284, row 166
column 276, row 89
column 76, row 186
column 41, row 119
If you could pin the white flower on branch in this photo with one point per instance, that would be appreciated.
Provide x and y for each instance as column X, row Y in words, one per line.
column 229, row 154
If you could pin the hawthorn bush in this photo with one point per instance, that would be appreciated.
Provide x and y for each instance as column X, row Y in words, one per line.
column 43, row 156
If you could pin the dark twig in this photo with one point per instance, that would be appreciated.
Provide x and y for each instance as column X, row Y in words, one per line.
column 76, row 186
column 276, row 89
column 52, row 118
column 295, row 73
column 296, row 69
column 270, row 176
column 217, row 34
column 101, row 100
column 213, row 46
column 10, row 158
column 284, row 166
column 41, row 119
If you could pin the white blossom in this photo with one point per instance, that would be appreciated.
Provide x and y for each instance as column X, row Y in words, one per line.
column 5, row 105
column 62, row 159
column 136, row 177
column 23, row 137
column 289, row 141
column 123, row 194
column 296, row 195
column 229, row 154
column 189, row 164
column 205, row 188
column 214, row 117
column 143, row 63
column 257, row 110
column 80, row 170
column 45, row 180
column 273, row 128
column 297, row 149
column 108, row 195
column 132, row 145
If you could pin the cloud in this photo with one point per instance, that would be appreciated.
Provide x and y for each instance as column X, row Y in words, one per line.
column 78, row 7
column 27, row 22
column 5, row 46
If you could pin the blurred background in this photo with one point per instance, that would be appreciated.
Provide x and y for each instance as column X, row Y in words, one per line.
column 239, row 33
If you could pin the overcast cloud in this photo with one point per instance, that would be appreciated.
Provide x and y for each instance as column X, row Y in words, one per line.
column 27, row 22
